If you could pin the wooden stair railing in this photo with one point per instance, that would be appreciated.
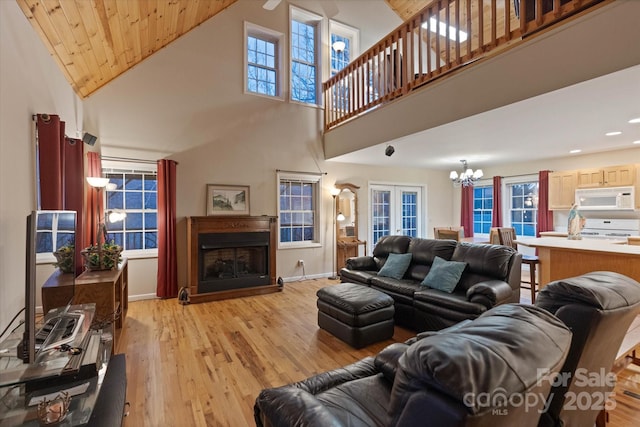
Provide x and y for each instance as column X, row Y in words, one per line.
column 414, row 53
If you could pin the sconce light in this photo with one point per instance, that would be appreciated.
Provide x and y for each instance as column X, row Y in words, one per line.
column 338, row 46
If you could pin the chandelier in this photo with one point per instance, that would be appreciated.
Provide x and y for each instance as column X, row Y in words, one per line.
column 467, row 177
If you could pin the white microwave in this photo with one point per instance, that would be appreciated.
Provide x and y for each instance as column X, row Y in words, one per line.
column 614, row 198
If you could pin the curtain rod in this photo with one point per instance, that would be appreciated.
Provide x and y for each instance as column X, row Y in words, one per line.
column 127, row 159
column 301, row 172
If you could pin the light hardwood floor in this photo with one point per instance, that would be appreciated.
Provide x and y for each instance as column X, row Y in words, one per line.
column 204, row 364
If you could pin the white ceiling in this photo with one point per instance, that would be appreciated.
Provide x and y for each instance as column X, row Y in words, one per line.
column 575, row 117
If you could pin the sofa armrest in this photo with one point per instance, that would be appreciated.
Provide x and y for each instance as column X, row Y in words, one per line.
column 490, row 293
column 326, row 380
column 426, row 334
column 291, row 406
column 387, row 360
column 365, row 263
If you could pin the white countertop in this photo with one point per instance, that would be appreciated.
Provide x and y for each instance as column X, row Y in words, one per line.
column 597, row 245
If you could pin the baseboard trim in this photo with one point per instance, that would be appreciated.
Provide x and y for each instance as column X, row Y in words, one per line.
column 307, row 277
column 142, row 297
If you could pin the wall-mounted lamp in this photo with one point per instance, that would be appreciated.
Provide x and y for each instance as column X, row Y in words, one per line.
column 338, row 46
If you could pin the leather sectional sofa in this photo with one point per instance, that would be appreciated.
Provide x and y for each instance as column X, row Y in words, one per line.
column 441, row 379
column 477, row 372
column 491, row 277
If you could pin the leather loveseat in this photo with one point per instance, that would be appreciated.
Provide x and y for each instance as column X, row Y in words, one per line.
column 491, row 277
column 473, row 374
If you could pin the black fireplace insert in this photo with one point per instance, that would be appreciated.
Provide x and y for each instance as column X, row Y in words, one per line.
column 232, row 261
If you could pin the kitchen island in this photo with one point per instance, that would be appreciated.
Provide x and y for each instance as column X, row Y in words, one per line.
column 561, row 258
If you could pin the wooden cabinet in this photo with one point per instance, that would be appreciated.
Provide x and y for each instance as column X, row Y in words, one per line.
column 348, row 249
column 562, row 189
column 108, row 289
column 614, row 176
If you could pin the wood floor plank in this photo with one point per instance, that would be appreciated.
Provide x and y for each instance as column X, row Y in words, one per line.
column 204, row 364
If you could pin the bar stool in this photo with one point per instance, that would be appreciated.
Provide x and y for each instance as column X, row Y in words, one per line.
column 507, row 235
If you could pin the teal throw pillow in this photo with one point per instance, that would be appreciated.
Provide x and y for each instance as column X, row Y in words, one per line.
column 444, row 275
column 395, row 266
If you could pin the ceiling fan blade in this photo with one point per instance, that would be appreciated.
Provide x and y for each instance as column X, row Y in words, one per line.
column 271, row 4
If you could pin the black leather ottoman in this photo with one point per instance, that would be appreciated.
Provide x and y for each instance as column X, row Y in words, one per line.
column 356, row 314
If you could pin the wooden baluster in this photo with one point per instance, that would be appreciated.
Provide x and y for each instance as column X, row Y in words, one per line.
column 447, row 39
column 480, row 27
column 457, row 26
column 469, row 30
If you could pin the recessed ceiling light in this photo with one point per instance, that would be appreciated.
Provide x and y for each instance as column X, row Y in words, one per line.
column 614, row 133
column 575, row 151
column 636, row 120
column 636, row 142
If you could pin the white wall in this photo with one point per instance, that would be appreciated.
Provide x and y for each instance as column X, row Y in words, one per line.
column 30, row 83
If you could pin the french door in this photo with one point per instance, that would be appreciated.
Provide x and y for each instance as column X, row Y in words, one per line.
column 395, row 210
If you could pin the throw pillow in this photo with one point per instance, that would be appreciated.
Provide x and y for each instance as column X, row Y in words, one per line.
column 444, row 275
column 395, row 266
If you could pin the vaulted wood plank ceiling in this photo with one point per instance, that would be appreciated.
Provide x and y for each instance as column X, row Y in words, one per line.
column 95, row 41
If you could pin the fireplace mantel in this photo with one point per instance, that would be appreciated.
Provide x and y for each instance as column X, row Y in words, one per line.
column 208, row 227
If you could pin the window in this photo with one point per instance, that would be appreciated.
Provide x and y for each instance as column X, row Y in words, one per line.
column 340, row 58
column 298, row 213
column 523, row 207
column 262, row 61
column 305, row 36
column 395, row 210
column 135, row 193
column 482, row 209
column 349, row 36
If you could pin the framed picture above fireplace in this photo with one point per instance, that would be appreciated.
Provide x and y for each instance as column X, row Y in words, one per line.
column 227, row 199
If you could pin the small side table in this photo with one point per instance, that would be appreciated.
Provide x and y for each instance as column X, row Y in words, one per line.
column 108, row 289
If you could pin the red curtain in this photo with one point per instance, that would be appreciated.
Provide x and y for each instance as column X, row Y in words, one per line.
column 61, row 173
column 50, row 161
column 496, row 218
column 94, row 200
column 167, row 286
column 466, row 210
column 545, row 216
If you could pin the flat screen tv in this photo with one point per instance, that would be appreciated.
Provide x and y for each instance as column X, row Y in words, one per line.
column 47, row 232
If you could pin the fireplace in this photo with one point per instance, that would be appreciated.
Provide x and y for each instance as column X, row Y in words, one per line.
column 231, row 256
column 232, row 261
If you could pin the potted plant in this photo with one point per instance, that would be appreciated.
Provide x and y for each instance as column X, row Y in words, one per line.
column 102, row 257
column 65, row 258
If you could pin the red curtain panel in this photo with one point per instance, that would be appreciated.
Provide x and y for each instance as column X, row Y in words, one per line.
column 94, row 202
column 466, row 210
column 167, row 286
column 50, row 161
column 496, row 218
column 545, row 216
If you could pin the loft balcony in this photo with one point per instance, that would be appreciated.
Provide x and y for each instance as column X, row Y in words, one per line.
column 457, row 58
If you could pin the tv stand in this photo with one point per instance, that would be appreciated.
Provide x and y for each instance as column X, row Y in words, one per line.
column 54, row 371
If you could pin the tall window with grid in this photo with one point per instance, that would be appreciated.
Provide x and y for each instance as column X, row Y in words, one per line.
column 298, row 210
column 524, row 204
column 380, row 213
column 410, row 213
column 304, row 56
column 482, row 209
column 261, row 66
column 135, row 193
